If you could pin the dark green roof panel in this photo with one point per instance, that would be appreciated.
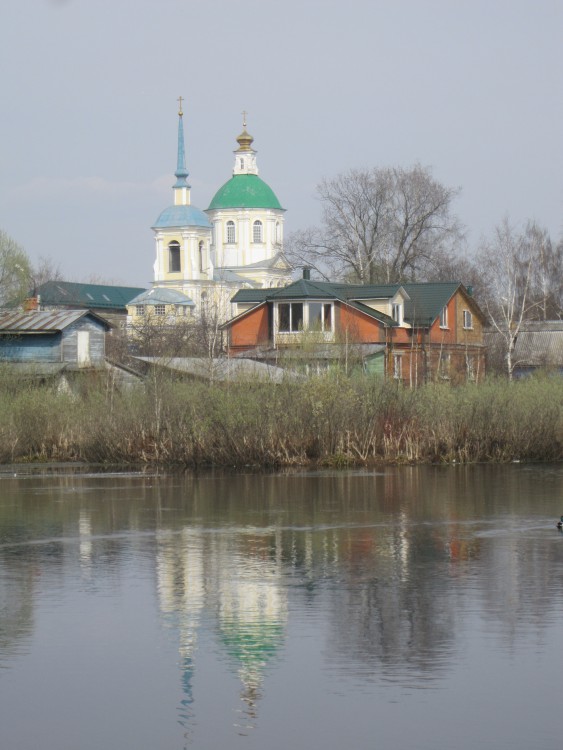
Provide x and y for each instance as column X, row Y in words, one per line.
column 71, row 294
column 245, row 191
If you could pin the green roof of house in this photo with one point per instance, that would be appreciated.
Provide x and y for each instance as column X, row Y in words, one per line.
column 245, row 191
column 426, row 300
column 423, row 305
column 102, row 296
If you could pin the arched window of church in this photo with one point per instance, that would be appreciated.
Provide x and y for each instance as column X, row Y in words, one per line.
column 257, row 231
column 201, row 264
column 231, row 237
column 174, row 257
column 278, row 233
column 242, row 163
column 203, row 302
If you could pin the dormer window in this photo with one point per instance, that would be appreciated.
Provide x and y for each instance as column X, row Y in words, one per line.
column 257, row 231
column 174, row 257
column 397, row 313
column 231, row 236
column 444, row 317
column 467, row 319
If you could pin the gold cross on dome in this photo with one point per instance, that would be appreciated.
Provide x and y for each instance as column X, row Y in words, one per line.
column 244, row 113
column 180, row 103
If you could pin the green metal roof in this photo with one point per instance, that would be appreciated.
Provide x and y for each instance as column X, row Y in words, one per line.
column 427, row 300
column 245, row 191
column 423, row 305
column 71, row 294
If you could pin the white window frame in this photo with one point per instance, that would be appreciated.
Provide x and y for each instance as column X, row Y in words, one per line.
column 445, row 365
column 139, row 310
column 444, row 317
column 397, row 366
column 327, row 312
column 201, row 249
column 160, row 309
column 468, row 320
column 257, row 232
column 397, row 312
column 231, row 232
column 174, row 257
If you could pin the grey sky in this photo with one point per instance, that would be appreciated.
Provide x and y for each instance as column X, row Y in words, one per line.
column 89, row 119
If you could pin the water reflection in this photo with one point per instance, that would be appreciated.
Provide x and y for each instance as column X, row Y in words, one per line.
column 395, row 572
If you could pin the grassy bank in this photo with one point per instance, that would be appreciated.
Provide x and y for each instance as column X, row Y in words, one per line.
column 331, row 420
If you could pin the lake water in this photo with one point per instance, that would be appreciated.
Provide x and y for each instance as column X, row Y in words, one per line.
column 403, row 608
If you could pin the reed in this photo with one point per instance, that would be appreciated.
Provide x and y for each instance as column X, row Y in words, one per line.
column 332, row 420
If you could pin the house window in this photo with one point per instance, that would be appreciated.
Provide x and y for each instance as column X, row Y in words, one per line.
column 201, row 257
column 160, row 309
column 397, row 313
column 290, row 317
column 467, row 319
column 320, row 316
column 444, row 317
column 257, row 231
column 139, row 309
column 174, row 257
column 231, row 236
column 397, row 366
column 444, row 366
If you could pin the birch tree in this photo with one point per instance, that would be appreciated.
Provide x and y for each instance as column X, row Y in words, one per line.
column 15, row 272
column 507, row 260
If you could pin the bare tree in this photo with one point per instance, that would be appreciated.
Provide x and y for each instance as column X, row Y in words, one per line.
column 43, row 271
column 546, row 283
column 380, row 226
column 509, row 258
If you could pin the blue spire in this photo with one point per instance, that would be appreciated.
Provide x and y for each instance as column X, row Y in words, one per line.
column 181, row 171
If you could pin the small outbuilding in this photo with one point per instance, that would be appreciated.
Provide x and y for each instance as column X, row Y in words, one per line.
column 75, row 338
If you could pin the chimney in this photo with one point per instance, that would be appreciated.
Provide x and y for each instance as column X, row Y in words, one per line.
column 306, row 273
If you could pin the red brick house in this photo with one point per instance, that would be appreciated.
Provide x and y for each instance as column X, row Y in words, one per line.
column 410, row 332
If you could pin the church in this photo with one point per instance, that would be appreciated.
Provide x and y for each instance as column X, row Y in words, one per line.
column 203, row 257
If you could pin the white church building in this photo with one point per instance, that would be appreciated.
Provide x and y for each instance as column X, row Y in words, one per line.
column 204, row 257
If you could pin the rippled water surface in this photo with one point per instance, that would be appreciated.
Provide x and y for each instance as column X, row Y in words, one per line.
column 407, row 608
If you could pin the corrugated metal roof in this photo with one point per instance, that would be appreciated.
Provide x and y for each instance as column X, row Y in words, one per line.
column 48, row 321
column 162, row 295
column 222, row 369
column 71, row 294
column 539, row 348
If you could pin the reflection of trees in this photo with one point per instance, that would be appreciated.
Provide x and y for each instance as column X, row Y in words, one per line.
column 392, row 614
column 16, row 603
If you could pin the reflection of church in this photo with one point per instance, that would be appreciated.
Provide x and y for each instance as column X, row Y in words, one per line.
column 204, row 257
column 248, row 602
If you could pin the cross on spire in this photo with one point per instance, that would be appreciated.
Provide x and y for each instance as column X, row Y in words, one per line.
column 180, row 99
column 244, row 113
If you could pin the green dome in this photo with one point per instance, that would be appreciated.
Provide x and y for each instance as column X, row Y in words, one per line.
column 245, row 191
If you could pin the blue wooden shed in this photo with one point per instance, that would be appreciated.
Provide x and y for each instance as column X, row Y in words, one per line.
column 75, row 338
